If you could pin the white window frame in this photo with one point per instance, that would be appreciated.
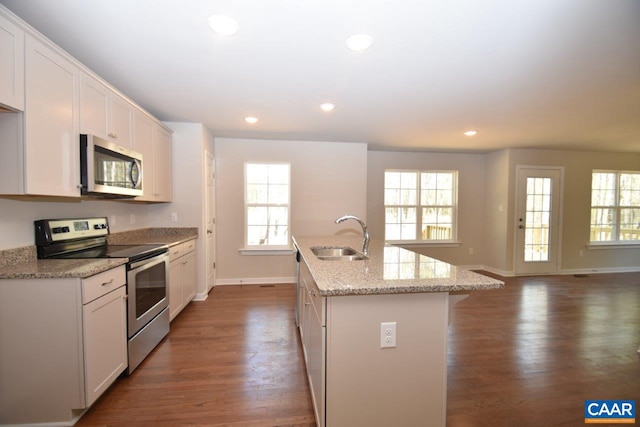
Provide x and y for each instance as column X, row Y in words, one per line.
column 269, row 249
column 616, row 207
column 451, row 242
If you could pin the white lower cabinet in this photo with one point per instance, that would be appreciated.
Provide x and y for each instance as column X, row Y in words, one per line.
column 355, row 382
column 183, row 276
column 105, row 343
column 63, row 344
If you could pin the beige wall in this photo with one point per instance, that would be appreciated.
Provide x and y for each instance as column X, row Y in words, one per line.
column 471, row 178
column 190, row 140
column 578, row 166
column 327, row 180
column 498, row 211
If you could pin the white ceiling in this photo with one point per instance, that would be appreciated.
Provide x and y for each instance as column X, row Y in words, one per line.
column 525, row 73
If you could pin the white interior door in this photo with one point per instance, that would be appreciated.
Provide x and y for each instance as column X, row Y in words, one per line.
column 538, row 219
column 210, row 221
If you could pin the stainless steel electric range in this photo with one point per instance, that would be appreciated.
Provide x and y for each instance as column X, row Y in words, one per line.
column 147, row 275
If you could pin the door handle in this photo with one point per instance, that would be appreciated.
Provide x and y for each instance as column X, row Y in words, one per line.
column 521, row 226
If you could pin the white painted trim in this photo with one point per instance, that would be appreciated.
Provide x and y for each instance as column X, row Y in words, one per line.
column 256, row 281
column 502, row 273
column 617, row 245
column 201, row 297
column 558, row 260
column 634, row 269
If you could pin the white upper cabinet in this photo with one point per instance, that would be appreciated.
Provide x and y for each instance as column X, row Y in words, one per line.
column 154, row 143
column 51, row 139
column 104, row 113
column 11, row 65
column 162, row 157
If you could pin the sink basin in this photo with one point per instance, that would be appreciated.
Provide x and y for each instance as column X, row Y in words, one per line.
column 337, row 253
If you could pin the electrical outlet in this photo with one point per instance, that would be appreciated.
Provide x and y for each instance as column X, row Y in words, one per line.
column 174, row 216
column 387, row 334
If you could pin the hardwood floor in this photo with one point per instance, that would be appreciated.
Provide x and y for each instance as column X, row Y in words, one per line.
column 532, row 353
column 526, row 355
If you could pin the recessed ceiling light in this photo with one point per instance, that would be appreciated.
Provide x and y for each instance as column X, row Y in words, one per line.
column 327, row 106
column 359, row 42
column 471, row 133
column 251, row 120
column 223, row 25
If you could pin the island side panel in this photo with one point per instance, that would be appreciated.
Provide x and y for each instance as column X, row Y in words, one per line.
column 373, row 386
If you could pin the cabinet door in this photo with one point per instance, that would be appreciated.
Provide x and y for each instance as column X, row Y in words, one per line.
column 105, row 342
column 11, row 65
column 121, row 116
column 94, row 107
column 51, row 156
column 175, row 288
column 189, row 277
column 163, row 165
column 316, row 364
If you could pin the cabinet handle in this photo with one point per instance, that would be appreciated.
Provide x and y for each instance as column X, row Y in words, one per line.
column 312, row 293
column 113, row 135
column 108, row 283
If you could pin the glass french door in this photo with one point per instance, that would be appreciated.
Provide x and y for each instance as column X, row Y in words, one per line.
column 537, row 220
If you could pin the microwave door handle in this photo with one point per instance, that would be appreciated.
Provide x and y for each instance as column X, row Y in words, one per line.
column 135, row 181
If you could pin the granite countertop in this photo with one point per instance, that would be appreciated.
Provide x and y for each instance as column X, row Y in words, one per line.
column 60, row 268
column 22, row 263
column 388, row 270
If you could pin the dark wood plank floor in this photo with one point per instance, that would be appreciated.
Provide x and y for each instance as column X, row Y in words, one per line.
column 527, row 355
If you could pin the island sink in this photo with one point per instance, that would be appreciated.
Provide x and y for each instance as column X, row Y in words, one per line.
column 337, row 253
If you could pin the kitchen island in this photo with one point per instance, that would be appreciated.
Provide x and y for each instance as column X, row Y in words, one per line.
column 374, row 332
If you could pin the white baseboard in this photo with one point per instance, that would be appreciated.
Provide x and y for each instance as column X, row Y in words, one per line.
column 256, row 281
column 200, row 297
column 497, row 271
column 601, row 270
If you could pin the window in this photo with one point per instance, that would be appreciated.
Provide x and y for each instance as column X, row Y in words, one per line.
column 267, row 204
column 615, row 206
column 420, row 205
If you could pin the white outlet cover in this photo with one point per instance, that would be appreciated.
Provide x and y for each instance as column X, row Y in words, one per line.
column 387, row 334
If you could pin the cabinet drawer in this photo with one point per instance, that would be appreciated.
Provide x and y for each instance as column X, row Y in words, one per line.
column 189, row 246
column 317, row 301
column 95, row 286
column 175, row 252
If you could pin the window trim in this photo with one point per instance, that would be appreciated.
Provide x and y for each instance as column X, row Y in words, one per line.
column 266, row 249
column 453, row 242
column 617, row 243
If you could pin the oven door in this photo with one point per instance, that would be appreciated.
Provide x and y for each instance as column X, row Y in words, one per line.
column 147, row 284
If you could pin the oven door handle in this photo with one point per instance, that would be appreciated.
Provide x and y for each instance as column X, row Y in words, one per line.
column 149, row 262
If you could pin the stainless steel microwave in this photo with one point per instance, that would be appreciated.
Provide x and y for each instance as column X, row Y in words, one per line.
column 109, row 170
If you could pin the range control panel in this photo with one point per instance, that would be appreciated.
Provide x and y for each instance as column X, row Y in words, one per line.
column 56, row 230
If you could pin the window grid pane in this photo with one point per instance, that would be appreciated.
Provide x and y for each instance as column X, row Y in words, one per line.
column 615, row 206
column 537, row 217
column 267, row 204
column 419, row 205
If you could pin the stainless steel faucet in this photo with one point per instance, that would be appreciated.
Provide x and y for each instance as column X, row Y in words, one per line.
column 365, row 232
